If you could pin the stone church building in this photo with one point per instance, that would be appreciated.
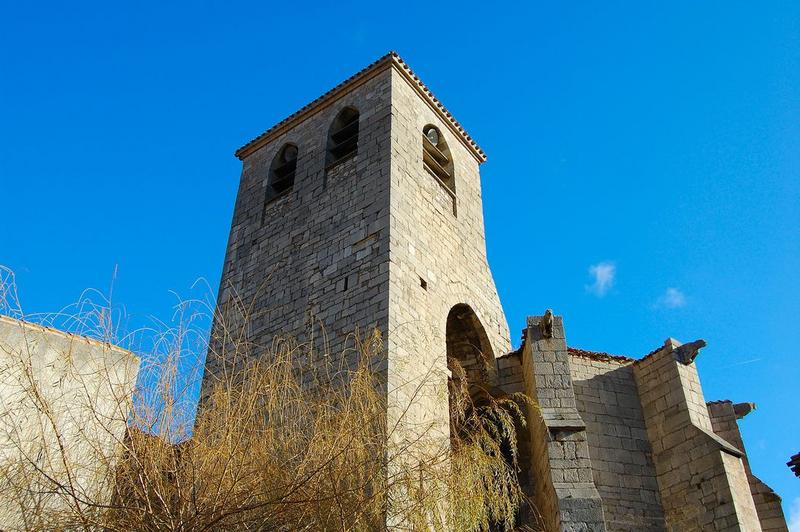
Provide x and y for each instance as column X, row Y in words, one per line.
column 363, row 209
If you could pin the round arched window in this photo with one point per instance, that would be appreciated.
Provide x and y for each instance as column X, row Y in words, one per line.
column 436, row 158
column 281, row 172
column 343, row 136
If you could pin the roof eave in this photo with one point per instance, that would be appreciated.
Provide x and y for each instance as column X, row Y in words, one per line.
column 390, row 60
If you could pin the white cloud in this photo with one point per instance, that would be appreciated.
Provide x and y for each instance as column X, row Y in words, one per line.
column 603, row 276
column 794, row 515
column 672, row 298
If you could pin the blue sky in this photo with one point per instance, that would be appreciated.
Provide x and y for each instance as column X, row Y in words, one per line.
column 643, row 174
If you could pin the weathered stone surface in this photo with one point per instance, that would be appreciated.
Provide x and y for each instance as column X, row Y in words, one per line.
column 375, row 241
column 560, row 471
column 64, row 403
column 703, row 485
column 621, row 457
column 379, row 240
column 724, row 416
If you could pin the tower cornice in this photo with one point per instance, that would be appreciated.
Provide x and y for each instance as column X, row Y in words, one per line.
column 390, row 60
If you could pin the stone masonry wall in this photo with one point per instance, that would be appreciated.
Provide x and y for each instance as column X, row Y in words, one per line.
column 724, row 417
column 289, row 260
column 377, row 241
column 701, row 478
column 429, row 244
column 608, row 401
column 406, row 249
column 511, row 380
column 564, row 489
column 88, row 388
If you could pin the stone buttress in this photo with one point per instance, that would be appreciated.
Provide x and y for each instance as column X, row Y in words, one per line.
column 623, row 444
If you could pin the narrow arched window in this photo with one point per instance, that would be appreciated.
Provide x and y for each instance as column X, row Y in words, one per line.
column 343, row 136
column 436, row 158
column 281, row 172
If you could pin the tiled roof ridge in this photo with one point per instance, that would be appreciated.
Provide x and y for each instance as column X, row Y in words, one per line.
column 65, row 334
column 719, row 402
column 599, row 355
column 390, row 58
column 654, row 351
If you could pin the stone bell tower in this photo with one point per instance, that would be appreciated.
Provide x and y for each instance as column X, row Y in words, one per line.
column 363, row 209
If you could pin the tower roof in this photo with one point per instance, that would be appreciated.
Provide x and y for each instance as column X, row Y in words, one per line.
column 390, row 60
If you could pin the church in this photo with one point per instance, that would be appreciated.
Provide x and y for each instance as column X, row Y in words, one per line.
column 363, row 210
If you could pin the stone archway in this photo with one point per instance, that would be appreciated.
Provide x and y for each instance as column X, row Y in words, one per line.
column 469, row 346
column 470, row 356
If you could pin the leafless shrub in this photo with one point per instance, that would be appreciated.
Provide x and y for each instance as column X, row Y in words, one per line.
column 284, row 439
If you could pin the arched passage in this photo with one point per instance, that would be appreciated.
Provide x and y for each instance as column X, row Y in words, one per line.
column 468, row 346
column 470, row 356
